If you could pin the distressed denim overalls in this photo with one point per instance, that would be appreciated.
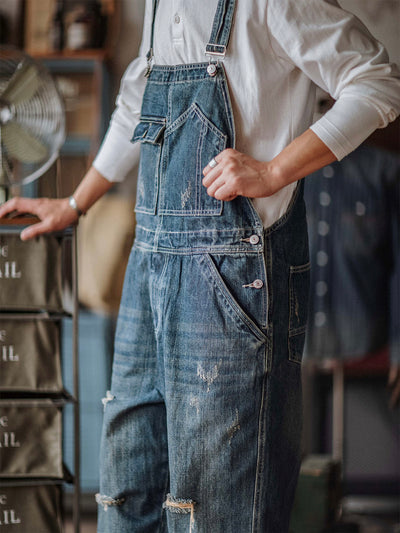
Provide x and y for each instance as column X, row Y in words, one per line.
column 202, row 424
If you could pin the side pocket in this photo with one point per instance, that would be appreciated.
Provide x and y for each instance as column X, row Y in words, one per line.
column 150, row 133
column 299, row 283
column 224, row 274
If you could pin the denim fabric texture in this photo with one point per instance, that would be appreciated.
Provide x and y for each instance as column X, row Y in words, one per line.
column 353, row 210
column 202, row 424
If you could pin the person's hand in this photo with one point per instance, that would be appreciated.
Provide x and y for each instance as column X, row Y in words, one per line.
column 232, row 173
column 394, row 384
column 54, row 214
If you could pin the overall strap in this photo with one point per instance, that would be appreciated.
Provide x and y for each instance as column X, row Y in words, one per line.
column 149, row 55
column 220, row 32
column 221, row 29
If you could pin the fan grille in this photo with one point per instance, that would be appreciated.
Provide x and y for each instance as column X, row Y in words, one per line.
column 32, row 118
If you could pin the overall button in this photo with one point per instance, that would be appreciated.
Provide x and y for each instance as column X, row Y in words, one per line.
column 257, row 284
column 212, row 69
column 254, row 239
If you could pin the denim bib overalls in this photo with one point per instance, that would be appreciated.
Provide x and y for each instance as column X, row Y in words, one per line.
column 202, row 424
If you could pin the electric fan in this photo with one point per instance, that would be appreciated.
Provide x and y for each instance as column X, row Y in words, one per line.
column 32, row 119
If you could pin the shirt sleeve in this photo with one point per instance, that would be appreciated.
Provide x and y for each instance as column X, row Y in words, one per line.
column 337, row 52
column 117, row 155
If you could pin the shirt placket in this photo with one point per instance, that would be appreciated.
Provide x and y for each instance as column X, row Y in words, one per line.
column 177, row 22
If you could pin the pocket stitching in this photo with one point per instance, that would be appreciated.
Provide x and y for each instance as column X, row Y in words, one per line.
column 195, row 110
column 300, row 330
column 206, row 125
column 225, row 293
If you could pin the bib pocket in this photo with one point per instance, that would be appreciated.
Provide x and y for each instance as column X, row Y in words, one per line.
column 150, row 132
column 190, row 142
column 298, row 309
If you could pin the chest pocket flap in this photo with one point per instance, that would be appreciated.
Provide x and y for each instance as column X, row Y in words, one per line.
column 149, row 131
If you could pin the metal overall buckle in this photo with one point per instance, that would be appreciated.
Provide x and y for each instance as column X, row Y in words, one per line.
column 212, row 55
column 149, row 58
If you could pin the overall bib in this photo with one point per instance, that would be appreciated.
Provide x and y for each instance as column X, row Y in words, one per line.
column 202, row 424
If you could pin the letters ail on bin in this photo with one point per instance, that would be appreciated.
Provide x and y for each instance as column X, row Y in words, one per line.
column 30, row 355
column 30, row 273
column 31, row 439
column 30, row 507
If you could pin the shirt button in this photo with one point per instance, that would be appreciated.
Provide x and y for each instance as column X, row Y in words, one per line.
column 322, row 258
column 360, row 209
column 258, row 284
column 328, row 172
column 321, row 288
column 177, row 18
column 254, row 239
column 324, row 198
column 323, row 228
column 320, row 319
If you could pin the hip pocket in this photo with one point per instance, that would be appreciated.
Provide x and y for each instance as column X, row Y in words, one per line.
column 232, row 282
column 189, row 144
column 299, row 283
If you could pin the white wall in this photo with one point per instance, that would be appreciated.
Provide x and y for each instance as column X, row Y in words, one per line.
column 129, row 34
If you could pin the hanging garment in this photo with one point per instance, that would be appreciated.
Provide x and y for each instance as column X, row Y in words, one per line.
column 353, row 210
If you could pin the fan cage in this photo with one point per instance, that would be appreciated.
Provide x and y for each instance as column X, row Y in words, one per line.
column 42, row 116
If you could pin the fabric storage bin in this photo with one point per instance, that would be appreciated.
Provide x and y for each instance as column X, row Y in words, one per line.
column 30, row 355
column 317, row 497
column 31, row 438
column 30, row 508
column 30, row 273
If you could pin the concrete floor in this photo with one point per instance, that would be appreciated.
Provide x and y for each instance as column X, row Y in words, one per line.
column 367, row 525
column 88, row 525
column 354, row 511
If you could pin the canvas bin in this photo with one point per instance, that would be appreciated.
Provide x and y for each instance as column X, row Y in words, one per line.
column 30, row 355
column 31, row 438
column 30, row 507
column 30, row 273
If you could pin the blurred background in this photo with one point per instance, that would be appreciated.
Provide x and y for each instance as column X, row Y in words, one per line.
column 350, row 477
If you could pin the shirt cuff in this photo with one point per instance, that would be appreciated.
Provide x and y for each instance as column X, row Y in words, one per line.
column 347, row 124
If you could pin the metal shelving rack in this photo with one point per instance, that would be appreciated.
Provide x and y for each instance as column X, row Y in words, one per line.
column 14, row 226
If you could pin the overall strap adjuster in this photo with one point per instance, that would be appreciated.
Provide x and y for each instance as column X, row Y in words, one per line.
column 215, row 54
column 216, row 50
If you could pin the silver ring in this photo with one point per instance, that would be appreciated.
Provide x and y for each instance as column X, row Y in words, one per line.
column 213, row 163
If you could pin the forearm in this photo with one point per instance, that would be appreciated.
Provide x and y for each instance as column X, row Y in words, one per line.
column 304, row 155
column 56, row 214
column 237, row 174
column 92, row 187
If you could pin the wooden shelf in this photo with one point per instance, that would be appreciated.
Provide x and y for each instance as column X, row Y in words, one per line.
column 94, row 54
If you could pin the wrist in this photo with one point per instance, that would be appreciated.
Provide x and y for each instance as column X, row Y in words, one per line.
column 274, row 175
column 74, row 205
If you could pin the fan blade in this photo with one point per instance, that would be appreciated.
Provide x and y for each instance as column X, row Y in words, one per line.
column 23, row 85
column 22, row 145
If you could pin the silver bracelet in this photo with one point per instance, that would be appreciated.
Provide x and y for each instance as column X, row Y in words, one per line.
column 74, row 205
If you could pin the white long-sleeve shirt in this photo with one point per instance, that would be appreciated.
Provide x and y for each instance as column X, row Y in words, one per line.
column 278, row 51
